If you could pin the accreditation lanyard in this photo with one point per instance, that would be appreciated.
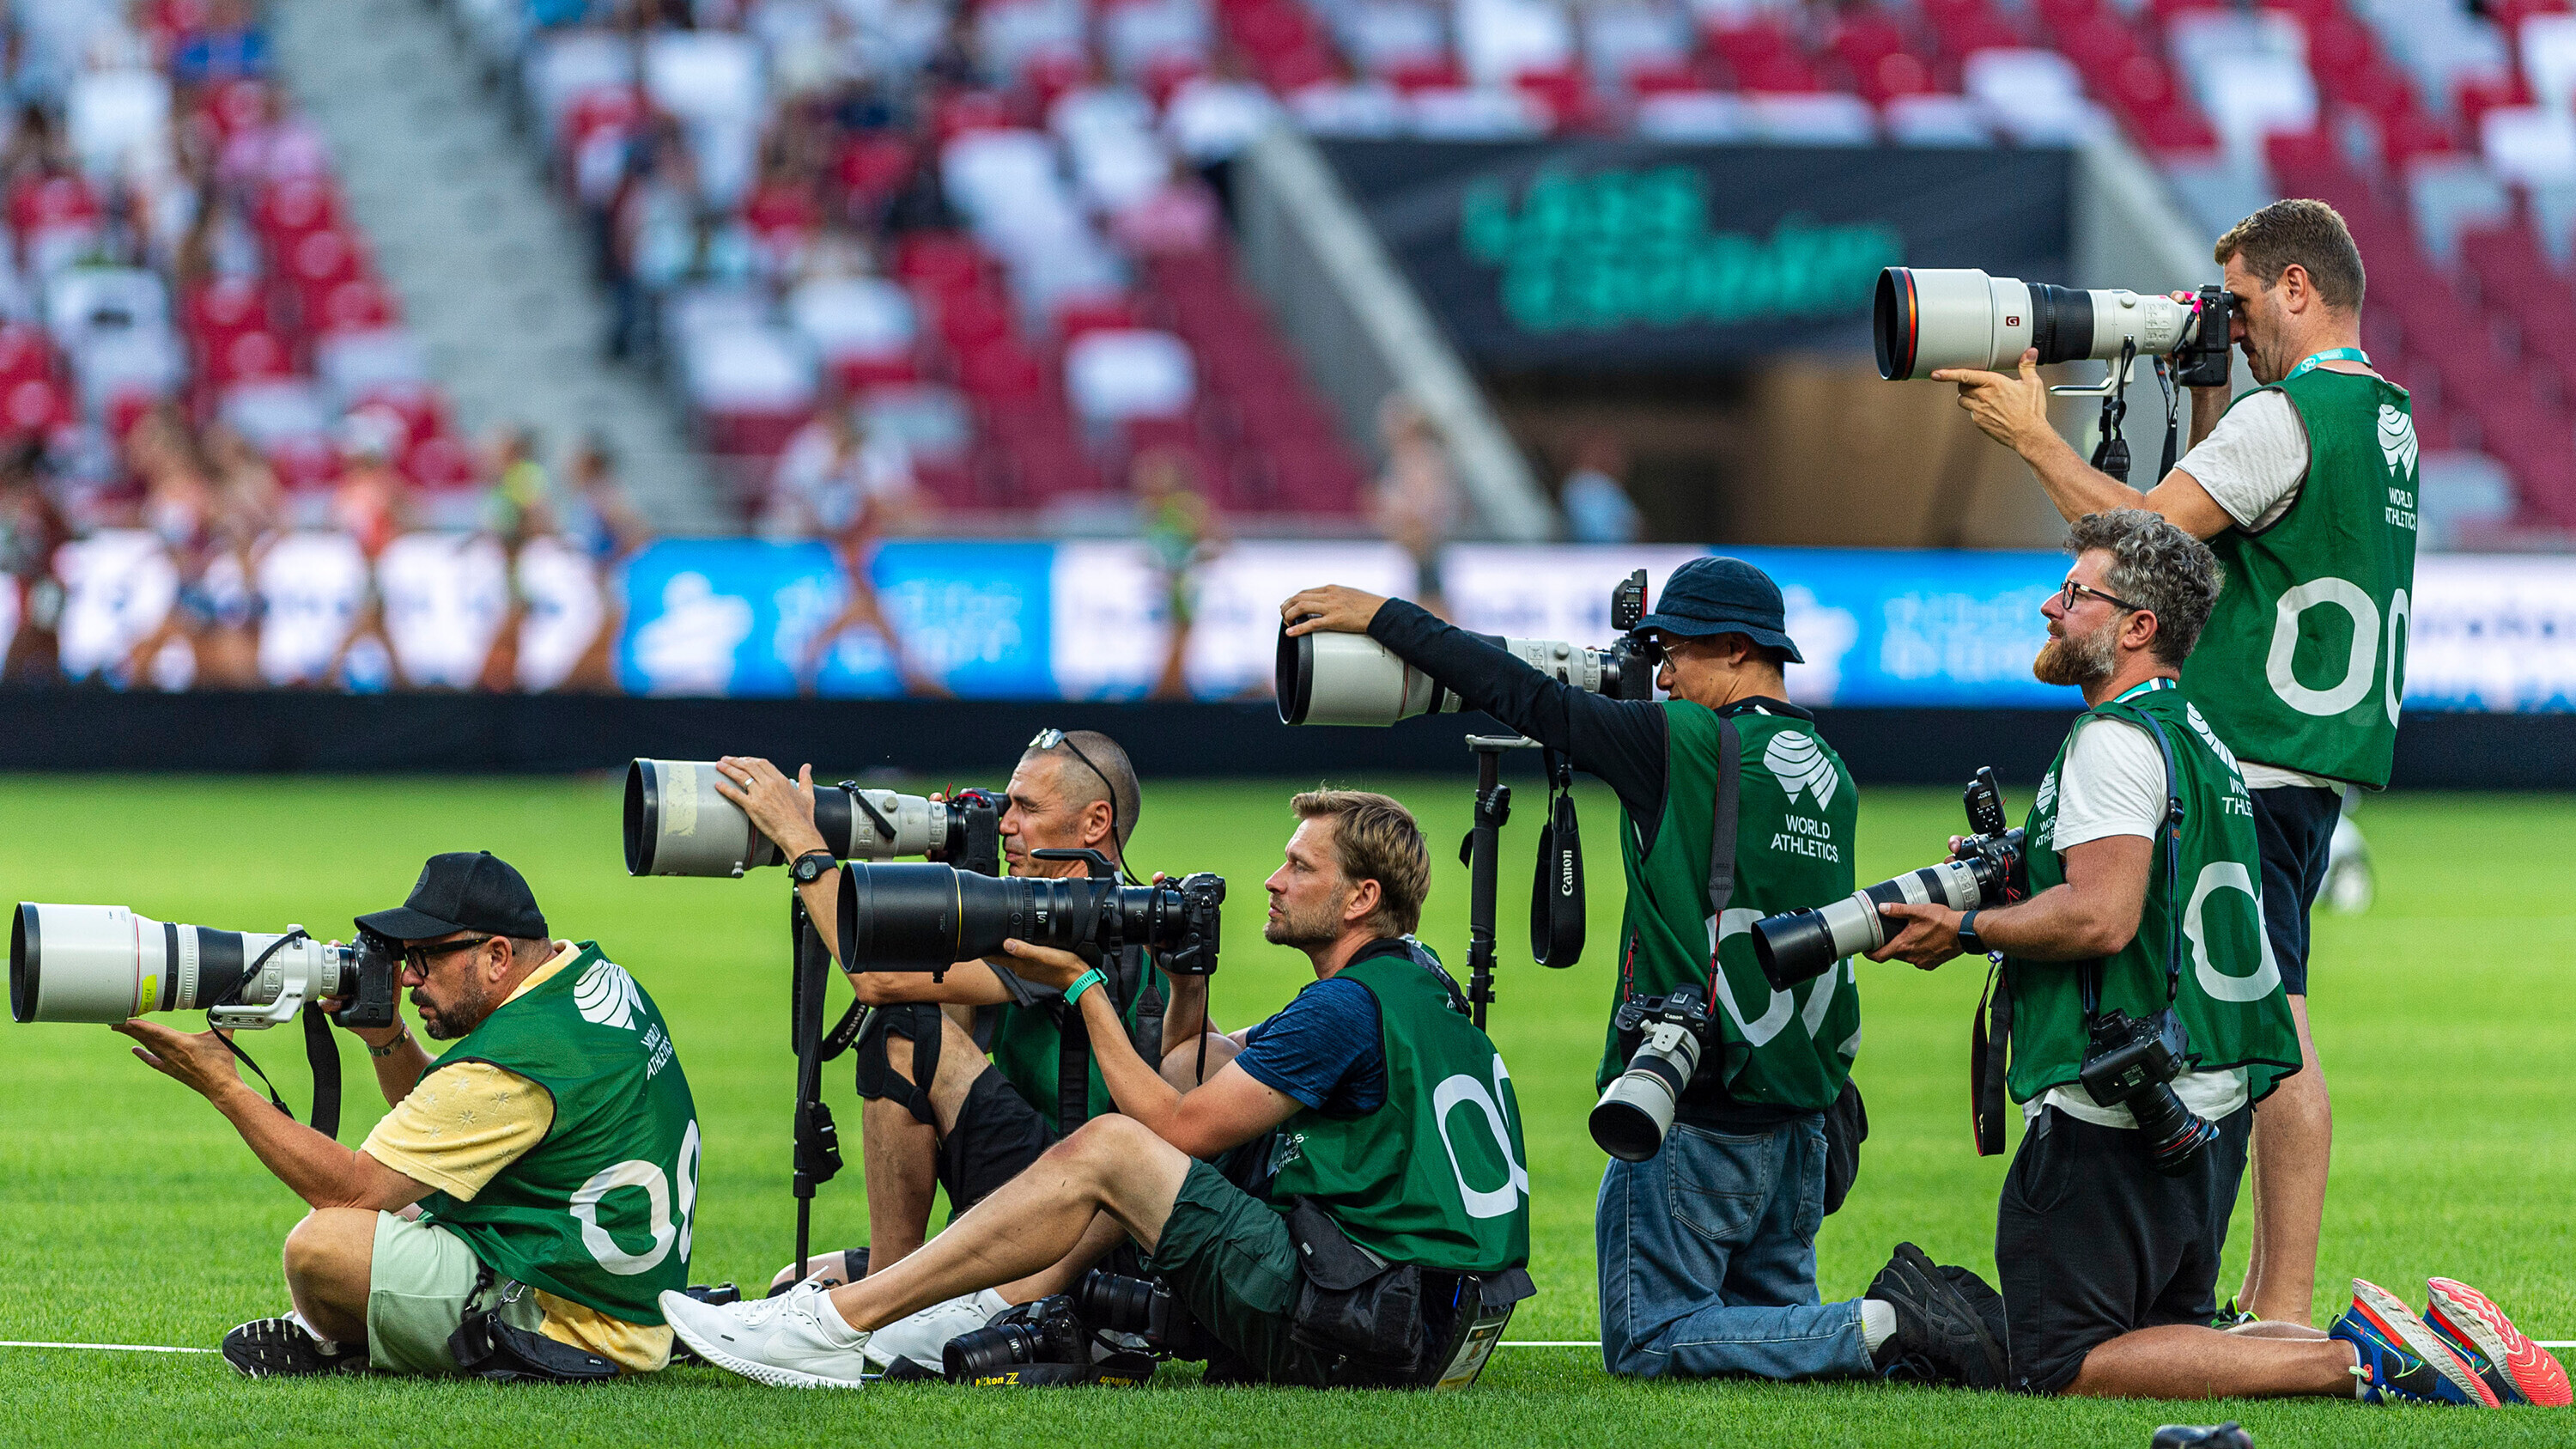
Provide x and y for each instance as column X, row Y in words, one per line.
column 2149, row 686
column 2332, row 354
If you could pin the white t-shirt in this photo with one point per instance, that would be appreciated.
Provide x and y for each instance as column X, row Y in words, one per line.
column 2251, row 465
column 2113, row 783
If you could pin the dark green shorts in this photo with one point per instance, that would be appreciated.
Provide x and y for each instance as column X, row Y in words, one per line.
column 1228, row 1256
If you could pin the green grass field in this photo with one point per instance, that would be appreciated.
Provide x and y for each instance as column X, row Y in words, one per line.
column 130, row 1213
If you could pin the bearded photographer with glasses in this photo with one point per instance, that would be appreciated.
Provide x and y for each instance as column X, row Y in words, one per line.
column 937, row 1113
column 2143, row 1011
column 532, row 1189
column 2306, row 489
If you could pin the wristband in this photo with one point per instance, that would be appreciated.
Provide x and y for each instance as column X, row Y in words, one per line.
column 1083, row 983
column 389, row 1048
column 1969, row 940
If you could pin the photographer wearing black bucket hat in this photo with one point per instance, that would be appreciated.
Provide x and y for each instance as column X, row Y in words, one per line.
column 553, row 1149
column 1726, row 1285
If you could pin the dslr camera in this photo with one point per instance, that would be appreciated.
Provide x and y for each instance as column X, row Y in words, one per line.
column 2131, row 1063
column 1634, row 1114
column 677, row 824
column 107, row 964
column 924, row 917
column 1351, row 679
column 1985, row 870
column 1924, row 318
column 1111, row 1329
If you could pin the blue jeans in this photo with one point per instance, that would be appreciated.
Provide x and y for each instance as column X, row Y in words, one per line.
column 1708, row 1260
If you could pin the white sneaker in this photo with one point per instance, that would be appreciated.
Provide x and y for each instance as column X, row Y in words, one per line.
column 922, row 1335
column 794, row 1341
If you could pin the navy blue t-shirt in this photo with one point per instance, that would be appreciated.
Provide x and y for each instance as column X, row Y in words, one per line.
column 1325, row 1048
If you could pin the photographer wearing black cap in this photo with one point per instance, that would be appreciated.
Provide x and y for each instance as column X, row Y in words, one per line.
column 1707, row 1250
column 553, row 1149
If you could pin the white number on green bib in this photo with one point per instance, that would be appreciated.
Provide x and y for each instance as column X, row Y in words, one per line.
column 1462, row 1090
column 638, row 1173
column 2360, row 665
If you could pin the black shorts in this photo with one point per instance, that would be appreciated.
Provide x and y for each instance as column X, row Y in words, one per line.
column 998, row 1134
column 2294, row 828
column 2091, row 1242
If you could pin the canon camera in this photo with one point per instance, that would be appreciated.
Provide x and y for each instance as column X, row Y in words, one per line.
column 1351, row 679
column 107, row 964
column 1925, row 318
column 1985, row 869
column 678, row 824
column 1637, row 1110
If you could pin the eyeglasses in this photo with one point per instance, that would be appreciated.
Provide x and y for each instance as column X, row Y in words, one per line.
column 2066, row 598
column 416, row 958
column 1047, row 741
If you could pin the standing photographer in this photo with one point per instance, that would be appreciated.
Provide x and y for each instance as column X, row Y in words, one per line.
column 1356, row 1088
column 2145, row 1018
column 975, row 1126
column 1707, row 1249
column 554, row 1148
column 2306, row 490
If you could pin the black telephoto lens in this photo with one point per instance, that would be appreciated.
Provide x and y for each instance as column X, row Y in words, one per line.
column 2174, row 1134
column 1116, row 1301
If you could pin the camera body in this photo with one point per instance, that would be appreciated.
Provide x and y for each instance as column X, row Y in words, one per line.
column 677, row 823
column 1351, row 679
column 1985, row 869
column 1636, row 1110
column 1923, row 318
column 2132, row 1062
column 1048, row 1331
column 1144, row 1309
column 107, row 964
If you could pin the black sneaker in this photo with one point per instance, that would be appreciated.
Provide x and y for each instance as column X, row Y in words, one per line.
column 2230, row 1435
column 285, row 1348
column 1941, row 1334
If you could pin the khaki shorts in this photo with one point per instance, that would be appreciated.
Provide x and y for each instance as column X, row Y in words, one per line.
column 418, row 1288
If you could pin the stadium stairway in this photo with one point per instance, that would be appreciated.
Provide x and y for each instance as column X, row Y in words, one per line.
column 491, row 270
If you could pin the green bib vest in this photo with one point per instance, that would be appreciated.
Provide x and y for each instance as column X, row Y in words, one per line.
column 2230, row 989
column 1437, row 1176
column 2302, row 664
column 1797, row 819
column 600, row 1211
column 1028, row 1046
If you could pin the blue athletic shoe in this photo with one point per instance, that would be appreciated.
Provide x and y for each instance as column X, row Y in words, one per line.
column 2403, row 1361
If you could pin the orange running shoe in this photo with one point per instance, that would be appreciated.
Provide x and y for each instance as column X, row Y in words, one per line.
column 2517, row 1369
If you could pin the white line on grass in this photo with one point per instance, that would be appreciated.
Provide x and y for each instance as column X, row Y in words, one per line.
column 108, row 1347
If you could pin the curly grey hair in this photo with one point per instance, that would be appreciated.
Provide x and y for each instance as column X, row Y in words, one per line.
column 2157, row 566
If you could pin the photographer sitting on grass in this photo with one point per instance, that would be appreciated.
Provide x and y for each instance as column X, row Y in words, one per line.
column 1380, row 1103
column 2139, row 970
column 978, row 1124
column 554, row 1148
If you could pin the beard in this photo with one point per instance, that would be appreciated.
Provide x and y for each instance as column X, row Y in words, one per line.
column 2082, row 660
column 456, row 1018
column 1317, row 927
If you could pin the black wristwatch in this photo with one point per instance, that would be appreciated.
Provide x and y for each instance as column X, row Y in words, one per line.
column 1969, row 940
column 810, row 866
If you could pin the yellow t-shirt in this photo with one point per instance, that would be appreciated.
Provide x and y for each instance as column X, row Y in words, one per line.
column 459, row 1128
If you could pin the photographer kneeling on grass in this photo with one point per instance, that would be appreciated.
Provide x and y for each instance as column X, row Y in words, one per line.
column 553, row 1149
column 937, row 1115
column 1707, row 1247
column 2145, row 1017
column 1383, row 1108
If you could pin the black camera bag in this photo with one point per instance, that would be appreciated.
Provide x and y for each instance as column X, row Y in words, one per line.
column 1350, row 1302
column 488, row 1347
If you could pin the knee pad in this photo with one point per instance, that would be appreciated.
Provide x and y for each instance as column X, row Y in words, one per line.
column 918, row 1023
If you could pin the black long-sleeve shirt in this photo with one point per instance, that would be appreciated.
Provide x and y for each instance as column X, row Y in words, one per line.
column 1622, row 741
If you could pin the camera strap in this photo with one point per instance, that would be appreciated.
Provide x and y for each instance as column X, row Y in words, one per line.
column 321, row 1052
column 1989, row 1053
column 1721, row 845
column 2169, row 834
column 1556, row 895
